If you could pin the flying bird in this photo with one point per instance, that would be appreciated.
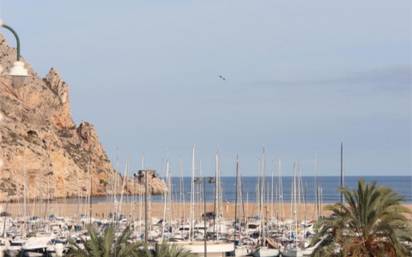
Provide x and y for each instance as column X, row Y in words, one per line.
column 221, row 77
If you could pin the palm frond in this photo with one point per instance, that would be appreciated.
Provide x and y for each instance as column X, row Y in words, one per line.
column 372, row 222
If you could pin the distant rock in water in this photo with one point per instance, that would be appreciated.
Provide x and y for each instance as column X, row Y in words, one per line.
column 43, row 148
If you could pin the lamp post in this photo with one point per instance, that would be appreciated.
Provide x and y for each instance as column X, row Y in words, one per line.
column 18, row 72
column 144, row 173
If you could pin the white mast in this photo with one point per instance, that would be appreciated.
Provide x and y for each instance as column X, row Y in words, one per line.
column 165, row 198
column 247, row 205
column 25, row 200
column 317, row 211
column 123, row 186
column 295, row 185
column 216, row 191
column 258, row 190
column 262, row 197
column 141, row 200
column 182, row 194
column 192, row 200
column 78, row 197
column 280, row 188
column 221, row 211
column 272, row 192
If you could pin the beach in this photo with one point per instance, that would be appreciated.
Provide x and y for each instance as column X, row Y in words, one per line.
column 176, row 210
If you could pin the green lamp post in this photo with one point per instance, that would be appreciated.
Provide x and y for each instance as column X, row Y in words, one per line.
column 18, row 72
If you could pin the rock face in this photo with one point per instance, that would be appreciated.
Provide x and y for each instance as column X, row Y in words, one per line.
column 43, row 148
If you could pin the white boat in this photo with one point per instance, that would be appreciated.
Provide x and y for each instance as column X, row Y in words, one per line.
column 241, row 251
column 292, row 252
column 15, row 247
column 3, row 246
column 214, row 248
column 55, row 250
column 266, row 252
column 36, row 246
column 253, row 227
column 2, row 250
column 298, row 252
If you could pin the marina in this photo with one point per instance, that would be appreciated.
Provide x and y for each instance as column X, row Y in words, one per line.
column 205, row 128
column 195, row 218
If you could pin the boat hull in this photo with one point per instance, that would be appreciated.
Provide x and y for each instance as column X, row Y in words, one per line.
column 213, row 248
column 266, row 252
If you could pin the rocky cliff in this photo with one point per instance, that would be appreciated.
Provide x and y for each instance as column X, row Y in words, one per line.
column 43, row 148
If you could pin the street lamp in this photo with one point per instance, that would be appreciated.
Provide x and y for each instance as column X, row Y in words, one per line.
column 146, row 193
column 18, row 72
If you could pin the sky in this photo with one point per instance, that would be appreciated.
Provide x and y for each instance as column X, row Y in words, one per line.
column 301, row 77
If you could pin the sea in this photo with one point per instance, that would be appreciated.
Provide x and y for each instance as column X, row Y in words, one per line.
column 329, row 185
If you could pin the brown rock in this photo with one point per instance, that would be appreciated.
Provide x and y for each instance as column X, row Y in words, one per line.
column 42, row 147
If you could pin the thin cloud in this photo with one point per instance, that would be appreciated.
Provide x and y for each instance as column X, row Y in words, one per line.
column 391, row 78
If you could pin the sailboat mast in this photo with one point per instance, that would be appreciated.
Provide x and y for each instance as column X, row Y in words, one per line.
column 90, row 193
column 247, row 204
column 272, row 194
column 316, row 189
column 262, row 197
column 220, row 199
column 192, row 200
column 141, row 200
column 216, row 203
column 241, row 188
column 236, row 195
column 165, row 195
column 280, row 188
column 259, row 181
column 25, row 199
column 181, row 193
column 124, row 180
column 342, row 182
column 146, row 215
column 295, row 183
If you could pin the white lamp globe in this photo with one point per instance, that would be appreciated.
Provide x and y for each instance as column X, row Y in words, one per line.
column 18, row 70
column 18, row 73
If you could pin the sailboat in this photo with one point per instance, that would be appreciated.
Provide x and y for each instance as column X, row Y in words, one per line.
column 192, row 195
column 263, row 250
column 219, row 225
column 300, row 252
column 214, row 248
column 294, row 250
column 166, row 204
column 239, row 249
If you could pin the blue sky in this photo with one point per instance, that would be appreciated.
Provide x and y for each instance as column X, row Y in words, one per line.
column 302, row 76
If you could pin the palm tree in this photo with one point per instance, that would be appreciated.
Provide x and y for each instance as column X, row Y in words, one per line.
column 106, row 245
column 170, row 250
column 372, row 223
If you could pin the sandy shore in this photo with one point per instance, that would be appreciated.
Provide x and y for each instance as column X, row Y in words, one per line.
column 156, row 209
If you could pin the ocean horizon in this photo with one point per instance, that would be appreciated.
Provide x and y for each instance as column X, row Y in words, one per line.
column 328, row 184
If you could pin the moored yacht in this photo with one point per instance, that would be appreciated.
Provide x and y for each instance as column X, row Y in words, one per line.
column 214, row 248
column 15, row 247
column 36, row 246
column 266, row 252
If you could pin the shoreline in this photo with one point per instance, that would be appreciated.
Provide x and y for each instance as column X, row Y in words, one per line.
column 175, row 210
